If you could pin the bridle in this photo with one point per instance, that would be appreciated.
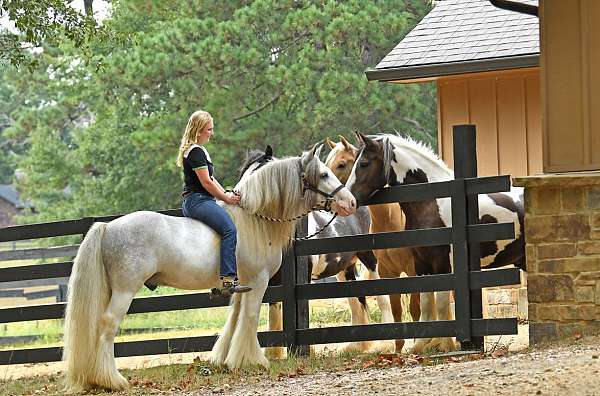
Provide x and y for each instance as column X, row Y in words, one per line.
column 328, row 196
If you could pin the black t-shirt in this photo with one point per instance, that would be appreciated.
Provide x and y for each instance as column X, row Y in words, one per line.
column 196, row 158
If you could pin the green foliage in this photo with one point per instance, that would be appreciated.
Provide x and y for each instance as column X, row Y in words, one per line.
column 43, row 22
column 101, row 136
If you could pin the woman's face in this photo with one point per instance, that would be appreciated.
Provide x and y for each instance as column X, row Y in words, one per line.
column 204, row 136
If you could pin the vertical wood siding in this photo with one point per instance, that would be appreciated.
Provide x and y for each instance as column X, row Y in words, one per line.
column 505, row 107
column 570, row 60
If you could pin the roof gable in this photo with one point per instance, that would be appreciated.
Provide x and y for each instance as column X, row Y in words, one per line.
column 465, row 31
column 9, row 194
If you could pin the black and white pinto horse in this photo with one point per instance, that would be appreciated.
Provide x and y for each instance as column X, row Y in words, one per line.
column 340, row 265
column 117, row 258
column 390, row 159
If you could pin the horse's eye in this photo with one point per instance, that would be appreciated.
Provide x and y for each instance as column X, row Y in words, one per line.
column 324, row 175
column 364, row 164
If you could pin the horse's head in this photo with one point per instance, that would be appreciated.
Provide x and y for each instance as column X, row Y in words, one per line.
column 372, row 169
column 320, row 184
column 341, row 158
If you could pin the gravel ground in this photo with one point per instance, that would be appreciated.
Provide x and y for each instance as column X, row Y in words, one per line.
column 570, row 368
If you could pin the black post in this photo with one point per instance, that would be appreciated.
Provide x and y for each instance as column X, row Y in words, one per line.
column 288, row 280
column 465, row 166
column 294, row 270
column 302, row 277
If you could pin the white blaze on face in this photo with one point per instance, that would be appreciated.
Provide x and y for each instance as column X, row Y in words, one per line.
column 352, row 178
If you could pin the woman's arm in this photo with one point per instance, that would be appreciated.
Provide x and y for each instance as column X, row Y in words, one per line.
column 215, row 189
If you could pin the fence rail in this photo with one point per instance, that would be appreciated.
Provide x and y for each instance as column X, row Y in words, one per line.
column 466, row 281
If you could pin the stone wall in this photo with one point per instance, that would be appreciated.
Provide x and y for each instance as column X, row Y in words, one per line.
column 506, row 301
column 562, row 233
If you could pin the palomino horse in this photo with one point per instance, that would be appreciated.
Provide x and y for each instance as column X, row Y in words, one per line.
column 389, row 159
column 384, row 218
column 342, row 265
column 116, row 259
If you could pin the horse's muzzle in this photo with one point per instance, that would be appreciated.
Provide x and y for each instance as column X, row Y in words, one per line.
column 344, row 207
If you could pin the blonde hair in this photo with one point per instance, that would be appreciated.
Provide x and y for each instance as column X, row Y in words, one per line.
column 196, row 124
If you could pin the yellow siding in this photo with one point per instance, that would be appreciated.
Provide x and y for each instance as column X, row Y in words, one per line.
column 505, row 109
column 570, row 60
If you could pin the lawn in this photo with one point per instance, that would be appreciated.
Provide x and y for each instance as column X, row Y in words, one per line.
column 193, row 322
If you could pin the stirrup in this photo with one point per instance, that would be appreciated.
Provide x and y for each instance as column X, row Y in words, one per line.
column 227, row 290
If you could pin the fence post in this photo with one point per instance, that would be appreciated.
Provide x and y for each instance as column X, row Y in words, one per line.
column 288, row 281
column 302, row 277
column 294, row 270
column 465, row 166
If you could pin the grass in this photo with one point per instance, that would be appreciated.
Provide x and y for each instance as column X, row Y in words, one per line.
column 193, row 322
column 199, row 375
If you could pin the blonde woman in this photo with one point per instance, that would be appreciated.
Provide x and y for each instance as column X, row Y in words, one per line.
column 200, row 192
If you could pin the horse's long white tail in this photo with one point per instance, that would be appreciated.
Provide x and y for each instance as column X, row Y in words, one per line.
column 87, row 300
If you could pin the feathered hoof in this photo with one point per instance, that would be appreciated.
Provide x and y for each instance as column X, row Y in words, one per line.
column 233, row 364
column 116, row 383
column 362, row 346
column 445, row 344
column 275, row 353
column 419, row 346
column 216, row 359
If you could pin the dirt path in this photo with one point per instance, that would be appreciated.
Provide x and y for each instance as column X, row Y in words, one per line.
column 568, row 369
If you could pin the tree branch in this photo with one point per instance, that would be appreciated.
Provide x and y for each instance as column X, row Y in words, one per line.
column 415, row 123
column 261, row 108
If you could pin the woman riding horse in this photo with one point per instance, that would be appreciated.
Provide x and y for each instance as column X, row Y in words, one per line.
column 117, row 258
column 199, row 192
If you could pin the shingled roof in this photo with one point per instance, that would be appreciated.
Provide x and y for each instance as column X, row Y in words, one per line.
column 462, row 36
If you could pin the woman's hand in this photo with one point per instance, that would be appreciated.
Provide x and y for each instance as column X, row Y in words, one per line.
column 232, row 199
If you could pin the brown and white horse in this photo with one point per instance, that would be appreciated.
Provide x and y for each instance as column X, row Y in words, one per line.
column 391, row 263
column 388, row 160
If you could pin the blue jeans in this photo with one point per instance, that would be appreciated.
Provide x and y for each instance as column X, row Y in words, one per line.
column 203, row 207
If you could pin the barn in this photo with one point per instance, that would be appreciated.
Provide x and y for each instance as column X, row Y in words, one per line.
column 532, row 88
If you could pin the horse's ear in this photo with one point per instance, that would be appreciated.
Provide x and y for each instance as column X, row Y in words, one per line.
column 309, row 155
column 363, row 140
column 329, row 142
column 269, row 151
column 346, row 144
column 318, row 151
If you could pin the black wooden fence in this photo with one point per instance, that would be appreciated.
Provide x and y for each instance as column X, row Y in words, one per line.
column 295, row 292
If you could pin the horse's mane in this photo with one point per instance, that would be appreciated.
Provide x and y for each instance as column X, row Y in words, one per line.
column 274, row 190
column 421, row 149
column 252, row 157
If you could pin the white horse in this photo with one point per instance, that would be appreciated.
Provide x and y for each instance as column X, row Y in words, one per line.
column 116, row 259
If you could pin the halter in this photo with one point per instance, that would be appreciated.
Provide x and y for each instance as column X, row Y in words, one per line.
column 328, row 196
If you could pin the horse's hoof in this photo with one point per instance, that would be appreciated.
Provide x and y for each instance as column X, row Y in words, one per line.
column 275, row 352
column 362, row 346
column 419, row 347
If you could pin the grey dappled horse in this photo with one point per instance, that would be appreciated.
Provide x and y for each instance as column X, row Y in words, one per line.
column 115, row 260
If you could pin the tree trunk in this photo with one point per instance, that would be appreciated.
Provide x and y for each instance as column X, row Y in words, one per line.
column 87, row 5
